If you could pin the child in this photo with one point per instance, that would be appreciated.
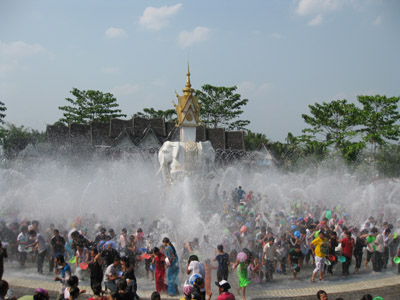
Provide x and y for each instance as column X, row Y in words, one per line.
column 242, row 276
column 208, row 268
column 255, row 270
column 223, row 263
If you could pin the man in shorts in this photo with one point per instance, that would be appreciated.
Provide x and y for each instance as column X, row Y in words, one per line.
column 319, row 247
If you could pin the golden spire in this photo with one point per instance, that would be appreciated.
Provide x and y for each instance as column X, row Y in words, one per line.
column 188, row 87
column 187, row 109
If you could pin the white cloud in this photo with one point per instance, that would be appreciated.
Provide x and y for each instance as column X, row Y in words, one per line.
column 249, row 89
column 276, row 35
column 377, row 21
column 12, row 55
column 312, row 7
column 125, row 89
column 20, row 49
column 316, row 21
column 110, row 71
column 155, row 18
column 113, row 33
column 188, row 38
column 159, row 83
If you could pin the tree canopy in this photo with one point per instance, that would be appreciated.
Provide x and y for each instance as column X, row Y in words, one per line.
column 379, row 119
column 334, row 122
column 3, row 108
column 14, row 139
column 221, row 107
column 90, row 106
column 151, row 113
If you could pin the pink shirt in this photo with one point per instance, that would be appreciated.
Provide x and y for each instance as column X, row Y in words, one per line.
column 226, row 296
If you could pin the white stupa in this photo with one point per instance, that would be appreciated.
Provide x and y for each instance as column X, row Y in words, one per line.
column 186, row 157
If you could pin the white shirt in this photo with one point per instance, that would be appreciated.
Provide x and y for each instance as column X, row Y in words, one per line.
column 197, row 268
column 23, row 238
column 111, row 270
column 41, row 243
column 269, row 251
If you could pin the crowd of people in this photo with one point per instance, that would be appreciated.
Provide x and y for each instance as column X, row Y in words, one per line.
column 254, row 244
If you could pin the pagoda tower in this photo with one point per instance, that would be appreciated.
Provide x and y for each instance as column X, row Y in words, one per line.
column 188, row 112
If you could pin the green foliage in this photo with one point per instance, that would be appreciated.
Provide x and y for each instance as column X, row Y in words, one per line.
column 388, row 160
column 379, row 119
column 3, row 108
column 90, row 106
column 253, row 140
column 151, row 113
column 334, row 121
column 221, row 107
column 14, row 139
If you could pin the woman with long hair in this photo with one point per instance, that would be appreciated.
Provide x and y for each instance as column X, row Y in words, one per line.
column 173, row 269
column 159, row 260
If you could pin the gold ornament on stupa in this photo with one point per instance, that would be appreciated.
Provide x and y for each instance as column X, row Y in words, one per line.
column 188, row 108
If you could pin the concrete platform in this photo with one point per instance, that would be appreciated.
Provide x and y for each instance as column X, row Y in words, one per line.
column 385, row 284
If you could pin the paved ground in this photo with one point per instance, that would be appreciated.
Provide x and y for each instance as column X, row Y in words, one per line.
column 385, row 284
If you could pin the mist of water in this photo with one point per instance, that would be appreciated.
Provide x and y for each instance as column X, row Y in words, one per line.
column 117, row 193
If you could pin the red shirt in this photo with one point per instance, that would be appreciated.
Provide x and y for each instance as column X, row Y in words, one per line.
column 226, row 296
column 347, row 246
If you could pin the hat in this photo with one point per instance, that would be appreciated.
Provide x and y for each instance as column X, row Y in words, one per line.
column 223, row 284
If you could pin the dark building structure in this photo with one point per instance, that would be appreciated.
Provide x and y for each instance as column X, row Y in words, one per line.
column 136, row 134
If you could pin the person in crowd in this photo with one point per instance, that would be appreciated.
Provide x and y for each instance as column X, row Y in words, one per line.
column 22, row 241
column 322, row 295
column 223, row 263
column 57, row 243
column 269, row 255
column 159, row 261
column 39, row 245
column 223, row 290
column 95, row 266
column 319, row 250
column 295, row 258
column 242, row 267
column 112, row 274
column 173, row 268
column 65, row 270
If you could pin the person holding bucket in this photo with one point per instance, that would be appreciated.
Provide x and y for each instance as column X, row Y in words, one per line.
column 347, row 252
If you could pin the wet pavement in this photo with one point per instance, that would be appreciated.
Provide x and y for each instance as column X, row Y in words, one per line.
column 385, row 284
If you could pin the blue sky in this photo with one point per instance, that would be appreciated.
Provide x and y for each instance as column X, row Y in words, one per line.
column 282, row 55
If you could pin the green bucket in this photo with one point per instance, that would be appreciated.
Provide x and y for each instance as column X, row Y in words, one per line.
column 328, row 214
column 396, row 260
column 342, row 259
column 72, row 260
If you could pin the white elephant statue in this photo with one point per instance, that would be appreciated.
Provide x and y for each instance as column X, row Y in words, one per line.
column 185, row 159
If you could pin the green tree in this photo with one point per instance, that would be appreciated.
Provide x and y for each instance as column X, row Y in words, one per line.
column 253, row 140
column 221, row 107
column 151, row 113
column 15, row 138
column 90, row 106
column 388, row 160
column 332, row 123
column 379, row 120
column 3, row 108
